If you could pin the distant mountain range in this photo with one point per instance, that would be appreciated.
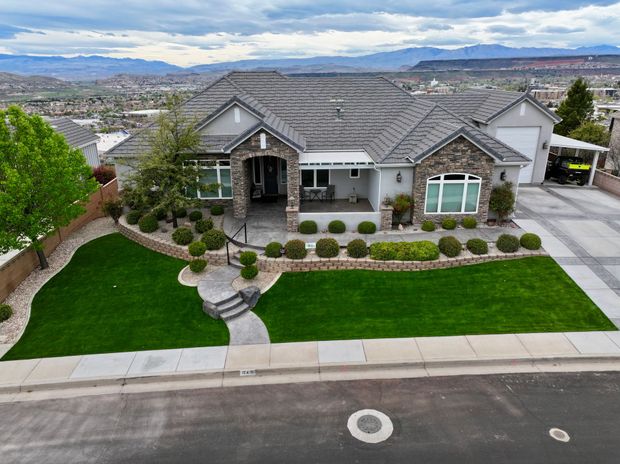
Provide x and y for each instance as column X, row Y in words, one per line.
column 98, row 67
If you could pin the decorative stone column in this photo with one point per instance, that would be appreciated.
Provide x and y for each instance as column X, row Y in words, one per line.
column 386, row 216
column 240, row 175
column 292, row 218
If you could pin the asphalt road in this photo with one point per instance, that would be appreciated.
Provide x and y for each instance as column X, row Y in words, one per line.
column 477, row 419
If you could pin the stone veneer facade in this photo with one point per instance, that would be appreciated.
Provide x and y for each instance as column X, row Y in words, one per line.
column 458, row 156
column 242, row 174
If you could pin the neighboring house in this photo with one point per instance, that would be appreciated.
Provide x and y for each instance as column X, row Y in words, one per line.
column 363, row 138
column 108, row 140
column 78, row 137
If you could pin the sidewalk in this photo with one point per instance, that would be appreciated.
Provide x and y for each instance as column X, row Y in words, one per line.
column 223, row 366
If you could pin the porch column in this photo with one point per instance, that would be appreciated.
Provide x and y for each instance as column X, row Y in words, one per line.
column 292, row 193
column 593, row 169
column 241, row 186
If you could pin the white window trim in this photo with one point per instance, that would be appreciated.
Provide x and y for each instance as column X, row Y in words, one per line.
column 469, row 179
column 280, row 161
column 351, row 176
column 314, row 186
column 218, row 168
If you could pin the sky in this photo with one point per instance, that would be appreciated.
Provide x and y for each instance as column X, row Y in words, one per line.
column 189, row 32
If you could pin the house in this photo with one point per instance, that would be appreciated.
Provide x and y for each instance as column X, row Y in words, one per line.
column 78, row 137
column 357, row 141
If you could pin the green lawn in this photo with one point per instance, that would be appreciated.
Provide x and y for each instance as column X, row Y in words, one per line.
column 116, row 295
column 525, row 295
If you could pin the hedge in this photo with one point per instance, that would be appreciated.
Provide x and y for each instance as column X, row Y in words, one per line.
column 336, row 227
column 295, row 249
column 214, row 239
column 327, row 248
column 217, row 210
column 450, row 246
column 132, row 217
column 367, row 227
column 507, row 243
column 428, row 226
column 404, row 251
column 197, row 265
column 477, row 246
column 273, row 250
column 308, row 227
column 148, row 223
column 247, row 258
column 470, row 222
column 182, row 236
column 195, row 215
column 249, row 272
column 448, row 223
column 357, row 248
column 202, row 225
column 530, row 241
column 197, row 248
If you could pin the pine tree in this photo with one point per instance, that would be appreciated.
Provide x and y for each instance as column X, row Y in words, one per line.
column 576, row 108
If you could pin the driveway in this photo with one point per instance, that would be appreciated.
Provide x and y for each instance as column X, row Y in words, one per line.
column 580, row 228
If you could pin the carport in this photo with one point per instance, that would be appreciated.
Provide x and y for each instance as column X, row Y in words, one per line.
column 559, row 142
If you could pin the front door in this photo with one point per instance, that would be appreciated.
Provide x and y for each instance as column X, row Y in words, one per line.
column 270, row 168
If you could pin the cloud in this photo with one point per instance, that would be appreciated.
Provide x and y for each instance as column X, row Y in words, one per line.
column 10, row 32
column 507, row 30
column 561, row 30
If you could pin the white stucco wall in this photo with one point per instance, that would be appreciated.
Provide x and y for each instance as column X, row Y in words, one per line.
column 91, row 154
column 225, row 123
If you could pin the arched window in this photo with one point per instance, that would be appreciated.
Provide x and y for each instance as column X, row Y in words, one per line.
column 452, row 193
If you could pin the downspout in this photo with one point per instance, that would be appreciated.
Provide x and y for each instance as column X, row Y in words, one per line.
column 379, row 187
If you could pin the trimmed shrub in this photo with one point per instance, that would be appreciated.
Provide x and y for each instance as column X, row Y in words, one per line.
column 448, row 223
column 247, row 258
column 5, row 312
column 470, row 222
column 477, row 246
column 160, row 213
column 273, row 250
column 366, row 227
column 214, row 239
column 202, row 225
column 428, row 226
column 216, row 210
column 182, row 236
column 180, row 212
column 530, row 241
column 336, row 227
column 197, row 265
column 249, row 272
column 197, row 248
column 113, row 208
column 507, row 243
column 295, row 249
column 195, row 216
column 148, row 223
column 327, row 248
column 404, row 251
column 450, row 246
column 357, row 248
column 132, row 217
column 502, row 200
column 104, row 174
column 308, row 227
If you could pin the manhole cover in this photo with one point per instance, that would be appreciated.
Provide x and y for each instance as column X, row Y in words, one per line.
column 369, row 424
column 559, row 435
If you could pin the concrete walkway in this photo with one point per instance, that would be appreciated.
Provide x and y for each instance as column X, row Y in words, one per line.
column 319, row 361
column 580, row 229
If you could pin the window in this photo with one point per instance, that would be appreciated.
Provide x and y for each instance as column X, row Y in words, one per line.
column 215, row 173
column 313, row 178
column 452, row 193
column 283, row 172
column 263, row 141
column 258, row 180
column 354, row 173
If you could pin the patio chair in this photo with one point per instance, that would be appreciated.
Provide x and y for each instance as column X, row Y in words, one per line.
column 329, row 193
column 303, row 195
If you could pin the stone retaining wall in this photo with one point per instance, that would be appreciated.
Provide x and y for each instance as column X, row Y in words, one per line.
column 217, row 258
column 314, row 263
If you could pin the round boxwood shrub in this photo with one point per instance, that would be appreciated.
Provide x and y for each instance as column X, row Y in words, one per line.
column 507, row 243
column 5, row 312
column 273, row 250
column 182, row 236
column 308, row 227
column 477, row 246
column 214, row 239
column 448, row 223
column 132, row 217
column 450, row 246
column 148, row 223
column 366, row 227
column 160, row 214
column 247, row 258
column 530, row 241
column 217, row 210
column 295, row 249
column 197, row 265
column 197, row 248
column 195, row 216
column 357, row 248
column 202, row 225
column 327, row 248
column 428, row 226
column 249, row 272
column 180, row 212
column 469, row 222
column 336, row 227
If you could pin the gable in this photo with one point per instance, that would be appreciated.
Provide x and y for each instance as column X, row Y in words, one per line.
column 232, row 121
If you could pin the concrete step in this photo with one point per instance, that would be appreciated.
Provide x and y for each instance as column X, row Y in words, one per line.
column 236, row 312
column 234, row 262
column 230, row 304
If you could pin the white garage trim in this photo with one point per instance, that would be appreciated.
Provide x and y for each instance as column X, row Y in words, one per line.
column 525, row 141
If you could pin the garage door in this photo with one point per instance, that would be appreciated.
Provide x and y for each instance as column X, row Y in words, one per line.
column 524, row 140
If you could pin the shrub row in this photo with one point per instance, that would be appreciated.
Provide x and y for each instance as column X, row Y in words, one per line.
column 404, row 251
column 449, row 223
column 337, row 227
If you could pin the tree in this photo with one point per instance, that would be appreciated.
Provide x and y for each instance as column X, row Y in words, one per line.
column 576, row 108
column 591, row 132
column 502, row 200
column 43, row 181
column 164, row 176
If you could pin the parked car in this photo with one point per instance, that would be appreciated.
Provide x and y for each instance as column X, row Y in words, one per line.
column 568, row 168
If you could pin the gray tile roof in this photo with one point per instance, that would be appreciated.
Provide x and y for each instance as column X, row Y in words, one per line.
column 75, row 135
column 377, row 116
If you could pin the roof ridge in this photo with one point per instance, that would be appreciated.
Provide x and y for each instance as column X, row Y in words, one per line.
column 407, row 133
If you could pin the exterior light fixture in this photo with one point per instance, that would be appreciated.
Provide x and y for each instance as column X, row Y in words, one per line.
column 502, row 175
column 399, row 177
column 545, row 145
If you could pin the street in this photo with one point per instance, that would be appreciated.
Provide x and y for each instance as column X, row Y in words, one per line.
column 499, row 419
